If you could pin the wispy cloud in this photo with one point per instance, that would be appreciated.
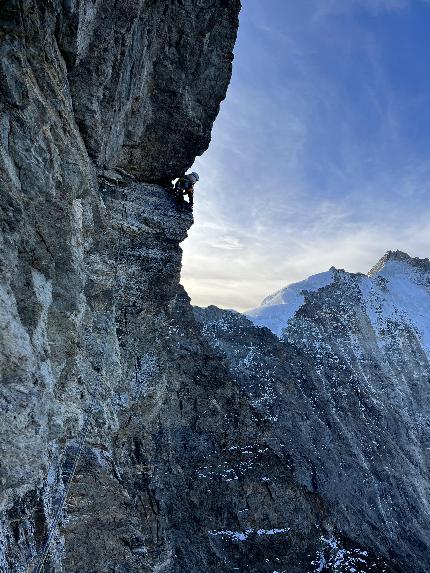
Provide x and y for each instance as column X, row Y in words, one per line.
column 271, row 258
column 329, row 7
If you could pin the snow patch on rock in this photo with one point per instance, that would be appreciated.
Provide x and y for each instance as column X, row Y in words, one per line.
column 243, row 535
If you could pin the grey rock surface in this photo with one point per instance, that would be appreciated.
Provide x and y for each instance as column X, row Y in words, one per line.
column 147, row 78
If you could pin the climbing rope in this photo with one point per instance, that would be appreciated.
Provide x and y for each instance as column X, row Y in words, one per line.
column 57, row 515
column 38, row 568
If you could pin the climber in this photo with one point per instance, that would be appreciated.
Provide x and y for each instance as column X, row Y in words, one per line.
column 184, row 186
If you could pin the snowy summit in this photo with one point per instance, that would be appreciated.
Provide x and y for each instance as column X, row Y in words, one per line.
column 396, row 289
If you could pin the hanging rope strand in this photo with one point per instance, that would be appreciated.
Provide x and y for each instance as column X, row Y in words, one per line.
column 58, row 513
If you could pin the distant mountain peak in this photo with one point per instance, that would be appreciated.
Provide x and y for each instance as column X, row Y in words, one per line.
column 314, row 282
column 276, row 309
column 401, row 257
column 405, row 278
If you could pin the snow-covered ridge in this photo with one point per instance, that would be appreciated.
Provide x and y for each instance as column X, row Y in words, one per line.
column 276, row 309
column 396, row 291
column 391, row 257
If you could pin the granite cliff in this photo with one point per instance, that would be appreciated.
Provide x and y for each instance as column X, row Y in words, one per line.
column 206, row 443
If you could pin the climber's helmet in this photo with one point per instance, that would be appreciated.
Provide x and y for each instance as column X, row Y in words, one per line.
column 195, row 176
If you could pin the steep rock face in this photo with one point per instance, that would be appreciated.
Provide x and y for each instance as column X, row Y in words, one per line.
column 147, row 78
column 100, row 353
column 356, row 429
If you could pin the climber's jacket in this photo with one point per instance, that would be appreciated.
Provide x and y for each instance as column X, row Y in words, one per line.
column 185, row 186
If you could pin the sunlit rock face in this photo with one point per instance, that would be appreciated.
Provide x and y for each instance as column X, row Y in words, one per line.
column 344, row 385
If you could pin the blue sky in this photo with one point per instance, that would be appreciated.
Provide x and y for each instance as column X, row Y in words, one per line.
column 320, row 154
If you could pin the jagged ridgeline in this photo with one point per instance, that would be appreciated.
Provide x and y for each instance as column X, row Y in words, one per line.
column 136, row 434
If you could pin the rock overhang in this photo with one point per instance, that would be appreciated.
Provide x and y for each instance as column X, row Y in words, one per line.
column 146, row 93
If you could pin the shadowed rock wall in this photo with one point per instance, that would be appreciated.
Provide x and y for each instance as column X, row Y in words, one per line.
column 345, row 390
column 147, row 78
